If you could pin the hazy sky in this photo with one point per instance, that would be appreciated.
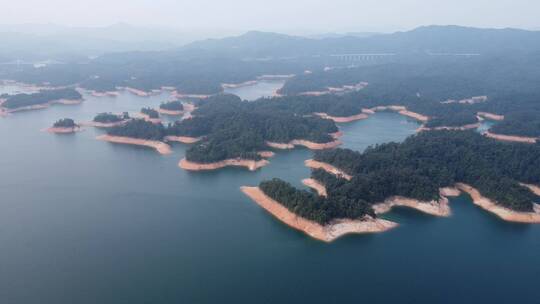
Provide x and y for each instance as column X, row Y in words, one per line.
column 282, row 15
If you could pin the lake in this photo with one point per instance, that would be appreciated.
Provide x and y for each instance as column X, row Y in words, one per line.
column 85, row 221
column 263, row 88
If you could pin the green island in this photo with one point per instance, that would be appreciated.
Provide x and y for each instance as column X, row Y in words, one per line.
column 41, row 99
column 65, row 123
column 172, row 106
column 235, row 129
column 107, row 117
column 139, row 129
column 503, row 173
column 151, row 113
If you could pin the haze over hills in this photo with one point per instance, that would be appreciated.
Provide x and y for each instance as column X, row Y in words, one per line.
column 435, row 39
column 35, row 42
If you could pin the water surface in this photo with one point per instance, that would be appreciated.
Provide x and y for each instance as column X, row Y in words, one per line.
column 84, row 221
column 263, row 88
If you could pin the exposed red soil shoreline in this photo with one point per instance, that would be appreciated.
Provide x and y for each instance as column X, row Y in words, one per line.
column 316, row 185
column 170, row 112
column 502, row 212
column 460, row 128
column 46, row 105
column 311, row 163
column 511, row 138
column 251, row 165
column 301, row 142
column 183, row 139
column 59, row 130
column 490, row 116
column 159, row 146
column 326, row 233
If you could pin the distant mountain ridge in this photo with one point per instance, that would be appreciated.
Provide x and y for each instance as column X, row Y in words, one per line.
column 435, row 39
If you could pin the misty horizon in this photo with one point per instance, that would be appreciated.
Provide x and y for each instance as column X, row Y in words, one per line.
column 299, row 17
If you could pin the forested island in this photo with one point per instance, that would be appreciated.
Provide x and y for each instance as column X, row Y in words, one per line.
column 419, row 173
column 233, row 129
column 139, row 132
column 171, row 108
column 40, row 100
column 150, row 115
column 448, row 90
column 64, row 126
column 109, row 120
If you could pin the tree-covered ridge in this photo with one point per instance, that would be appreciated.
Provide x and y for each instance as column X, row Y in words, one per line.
column 65, row 123
column 42, row 97
column 519, row 123
column 233, row 128
column 99, row 84
column 150, row 112
column 313, row 207
column 172, row 106
column 140, row 129
column 422, row 164
column 242, row 134
column 423, row 85
column 110, row 117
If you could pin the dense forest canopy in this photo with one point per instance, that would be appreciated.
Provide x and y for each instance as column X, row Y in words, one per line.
column 110, row 117
column 42, row 97
column 422, row 164
column 65, row 123
column 140, row 129
column 201, row 67
column 233, row 128
column 172, row 106
column 150, row 112
column 313, row 207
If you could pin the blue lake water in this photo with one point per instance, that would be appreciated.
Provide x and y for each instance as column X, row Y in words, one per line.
column 263, row 88
column 84, row 221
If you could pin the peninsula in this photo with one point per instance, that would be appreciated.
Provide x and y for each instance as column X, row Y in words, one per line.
column 173, row 108
column 138, row 132
column 41, row 100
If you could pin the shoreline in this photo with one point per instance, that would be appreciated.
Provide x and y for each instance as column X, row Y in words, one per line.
column 251, row 165
column 137, row 92
column 439, row 208
column 183, row 139
column 42, row 105
column 103, row 94
column 62, row 130
column 96, row 124
column 402, row 110
column 327, row 233
column 301, row 142
column 533, row 188
column 511, row 138
column 170, row 112
column 179, row 95
column 490, row 116
column 336, row 90
column 460, row 128
column 239, row 85
column 313, row 164
column 500, row 211
column 316, row 185
column 159, row 146
column 343, row 119
column 146, row 117
column 470, row 101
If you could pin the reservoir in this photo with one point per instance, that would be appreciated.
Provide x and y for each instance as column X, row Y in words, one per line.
column 85, row 221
